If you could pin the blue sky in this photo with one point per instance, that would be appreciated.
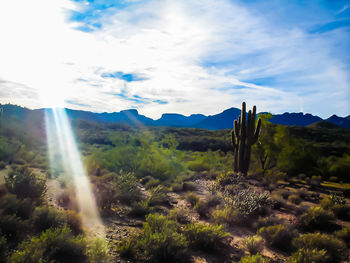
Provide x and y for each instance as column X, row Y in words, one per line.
column 184, row 56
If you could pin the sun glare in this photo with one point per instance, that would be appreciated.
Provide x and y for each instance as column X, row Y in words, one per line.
column 61, row 143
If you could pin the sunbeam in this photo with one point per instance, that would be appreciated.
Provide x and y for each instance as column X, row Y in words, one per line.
column 60, row 137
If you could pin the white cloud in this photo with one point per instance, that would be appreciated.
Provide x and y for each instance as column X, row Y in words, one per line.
column 173, row 44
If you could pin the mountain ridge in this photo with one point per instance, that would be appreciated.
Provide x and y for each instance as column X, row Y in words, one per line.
column 222, row 120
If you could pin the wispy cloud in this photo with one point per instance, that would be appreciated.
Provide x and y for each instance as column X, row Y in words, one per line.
column 179, row 56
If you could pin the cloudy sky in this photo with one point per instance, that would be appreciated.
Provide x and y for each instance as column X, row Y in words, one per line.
column 183, row 56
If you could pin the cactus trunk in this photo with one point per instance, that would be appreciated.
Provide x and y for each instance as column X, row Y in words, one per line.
column 244, row 135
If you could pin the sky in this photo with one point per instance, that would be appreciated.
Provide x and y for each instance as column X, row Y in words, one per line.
column 176, row 56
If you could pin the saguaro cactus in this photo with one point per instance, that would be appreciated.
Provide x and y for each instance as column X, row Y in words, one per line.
column 244, row 135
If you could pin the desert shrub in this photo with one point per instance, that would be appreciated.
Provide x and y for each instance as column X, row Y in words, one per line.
column 254, row 259
column 335, row 249
column 202, row 209
column 158, row 195
column 316, row 218
column 46, row 217
column 127, row 247
column 189, row 186
column 10, row 205
column 213, row 200
column 254, row 244
column 159, row 241
column 128, row 186
column 2, row 165
column 53, row 245
column 224, row 179
column 74, row 222
column 337, row 204
column 205, row 237
column 266, row 221
column 192, row 198
column 278, row 236
column 306, row 255
column 97, row 250
column 343, row 234
column 295, row 199
column 152, row 183
column 180, row 215
column 140, row 209
column 106, row 192
column 249, row 202
column 198, row 166
column 25, row 184
column 229, row 216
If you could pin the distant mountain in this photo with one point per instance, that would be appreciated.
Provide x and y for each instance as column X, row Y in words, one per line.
column 178, row 120
column 298, row 119
column 223, row 120
column 131, row 117
column 342, row 122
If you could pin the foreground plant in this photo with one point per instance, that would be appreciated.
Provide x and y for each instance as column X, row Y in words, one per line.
column 244, row 135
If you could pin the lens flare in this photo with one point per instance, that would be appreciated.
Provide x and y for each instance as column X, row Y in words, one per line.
column 62, row 145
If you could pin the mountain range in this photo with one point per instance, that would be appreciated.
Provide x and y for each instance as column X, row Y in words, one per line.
column 223, row 120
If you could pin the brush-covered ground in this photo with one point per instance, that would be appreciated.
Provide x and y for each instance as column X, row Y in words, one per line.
column 169, row 195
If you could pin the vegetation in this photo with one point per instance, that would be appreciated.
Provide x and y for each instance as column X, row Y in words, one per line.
column 169, row 194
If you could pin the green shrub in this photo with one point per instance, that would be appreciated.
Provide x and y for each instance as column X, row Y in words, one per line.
column 181, row 215
column 97, row 250
column 205, row 237
column 254, row 244
column 249, row 202
column 53, row 245
column 127, row 247
column 316, row 218
column 202, row 209
column 192, row 198
column 305, row 255
column 140, row 209
column 335, row 248
column 198, row 166
column 278, row 236
column 73, row 221
column 46, row 217
column 229, row 216
column 152, row 183
column 158, row 195
column 159, row 241
column 10, row 205
column 254, row 259
column 25, row 184
column 128, row 186
column 266, row 221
